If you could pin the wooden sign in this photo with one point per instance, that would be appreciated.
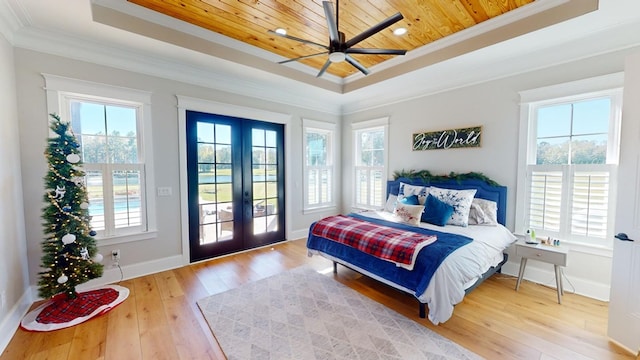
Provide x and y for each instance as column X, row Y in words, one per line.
column 448, row 139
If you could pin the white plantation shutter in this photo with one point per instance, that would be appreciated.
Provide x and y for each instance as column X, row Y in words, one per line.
column 545, row 202
column 319, row 183
column 578, row 196
column 590, row 203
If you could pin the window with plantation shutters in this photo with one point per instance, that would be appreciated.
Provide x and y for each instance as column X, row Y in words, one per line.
column 319, row 175
column 370, row 142
column 571, row 163
column 113, row 128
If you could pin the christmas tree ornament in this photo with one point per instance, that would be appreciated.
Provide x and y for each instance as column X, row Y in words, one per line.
column 84, row 205
column 66, row 208
column 59, row 192
column 92, row 233
column 84, row 253
column 98, row 258
column 73, row 158
column 63, row 279
column 68, row 239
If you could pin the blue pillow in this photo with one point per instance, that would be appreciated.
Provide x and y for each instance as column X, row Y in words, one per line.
column 436, row 211
column 410, row 200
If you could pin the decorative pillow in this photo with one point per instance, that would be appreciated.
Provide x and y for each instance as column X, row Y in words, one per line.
column 390, row 206
column 460, row 200
column 483, row 212
column 436, row 212
column 409, row 214
column 410, row 200
column 406, row 190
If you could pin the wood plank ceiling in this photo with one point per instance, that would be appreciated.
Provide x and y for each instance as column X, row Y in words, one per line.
column 249, row 21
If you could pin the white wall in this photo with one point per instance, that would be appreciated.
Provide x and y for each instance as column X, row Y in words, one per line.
column 493, row 105
column 166, row 250
column 14, row 282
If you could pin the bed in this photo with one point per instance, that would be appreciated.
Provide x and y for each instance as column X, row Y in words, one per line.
column 467, row 249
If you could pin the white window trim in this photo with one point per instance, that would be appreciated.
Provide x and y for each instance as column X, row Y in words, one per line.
column 370, row 124
column 58, row 87
column 332, row 128
column 529, row 100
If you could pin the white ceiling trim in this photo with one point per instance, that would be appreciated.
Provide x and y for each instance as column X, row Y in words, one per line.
column 131, row 60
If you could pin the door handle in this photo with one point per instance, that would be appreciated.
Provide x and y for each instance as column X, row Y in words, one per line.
column 623, row 237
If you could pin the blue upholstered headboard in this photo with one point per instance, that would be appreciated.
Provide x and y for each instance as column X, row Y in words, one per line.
column 484, row 190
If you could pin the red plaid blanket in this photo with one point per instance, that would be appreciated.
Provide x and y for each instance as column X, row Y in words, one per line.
column 398, row 246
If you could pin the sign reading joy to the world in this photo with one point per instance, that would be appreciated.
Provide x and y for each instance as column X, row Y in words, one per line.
column 448, row 139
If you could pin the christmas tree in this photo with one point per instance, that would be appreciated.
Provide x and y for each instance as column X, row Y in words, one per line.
column 70, row 253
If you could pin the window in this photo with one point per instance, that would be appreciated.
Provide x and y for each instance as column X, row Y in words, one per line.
column 109, row 123
column 370, row 144
column 319, row 174
column 571, row 163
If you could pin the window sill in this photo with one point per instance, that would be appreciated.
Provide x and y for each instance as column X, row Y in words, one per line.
column 331, row 208
column 120, row 239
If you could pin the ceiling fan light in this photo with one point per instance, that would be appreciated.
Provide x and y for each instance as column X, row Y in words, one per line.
column 337, row 57
column 281, row 31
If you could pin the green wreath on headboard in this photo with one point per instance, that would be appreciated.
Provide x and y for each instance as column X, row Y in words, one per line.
column 428, row 177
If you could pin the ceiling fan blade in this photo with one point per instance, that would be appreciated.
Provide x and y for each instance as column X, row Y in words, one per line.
column 324, row 68
column 302, row 57
column 375, row 29
column 332, row 25
column 376, row 51
column 356, row 64
column 298, row 39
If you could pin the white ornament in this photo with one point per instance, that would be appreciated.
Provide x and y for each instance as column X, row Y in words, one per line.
column 84, row 253
column 73, row 158
column 98, row 258
column 62, row 279
column 78, row 180
column 84, row 206
column 68, row 239
column 60, row 191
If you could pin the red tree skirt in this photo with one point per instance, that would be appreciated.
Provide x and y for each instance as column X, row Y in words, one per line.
column 60, row 312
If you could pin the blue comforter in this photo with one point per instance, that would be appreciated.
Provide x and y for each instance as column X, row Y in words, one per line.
column 416, row 280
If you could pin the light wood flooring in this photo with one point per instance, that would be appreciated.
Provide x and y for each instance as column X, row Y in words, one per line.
column 160, row 319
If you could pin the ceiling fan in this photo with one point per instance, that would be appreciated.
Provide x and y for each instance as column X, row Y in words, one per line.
column 339, row 49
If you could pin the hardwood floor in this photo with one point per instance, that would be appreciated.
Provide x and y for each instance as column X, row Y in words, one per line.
column 160, row 319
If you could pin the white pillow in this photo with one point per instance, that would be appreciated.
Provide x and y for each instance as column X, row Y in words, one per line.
column 460, row 200
column 409, row 214
column 483, row 212
column 406, row 190
column 390, row 206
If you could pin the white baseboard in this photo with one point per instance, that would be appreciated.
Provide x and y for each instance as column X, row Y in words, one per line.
column 113, row 275
column 545, row 277
column 298, row 234
column 9, row 325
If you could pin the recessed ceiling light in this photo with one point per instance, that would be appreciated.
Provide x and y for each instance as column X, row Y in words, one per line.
column 281, row 31
column 400, row 31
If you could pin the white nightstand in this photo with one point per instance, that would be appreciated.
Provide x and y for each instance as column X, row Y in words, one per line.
column 556, row 255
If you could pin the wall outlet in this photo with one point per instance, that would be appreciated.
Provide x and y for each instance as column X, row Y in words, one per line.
column 115, row 257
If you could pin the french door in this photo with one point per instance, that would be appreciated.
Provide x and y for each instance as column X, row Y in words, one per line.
column 235, row 174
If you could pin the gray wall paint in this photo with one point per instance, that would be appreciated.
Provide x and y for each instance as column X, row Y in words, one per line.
column 14, row 281
column 33, row 132
column 495, row 106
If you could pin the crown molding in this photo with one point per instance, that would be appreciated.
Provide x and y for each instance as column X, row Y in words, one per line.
column 269, row 88
column 12, row 17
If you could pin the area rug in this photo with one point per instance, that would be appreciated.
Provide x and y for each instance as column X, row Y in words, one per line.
column 301, row 314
